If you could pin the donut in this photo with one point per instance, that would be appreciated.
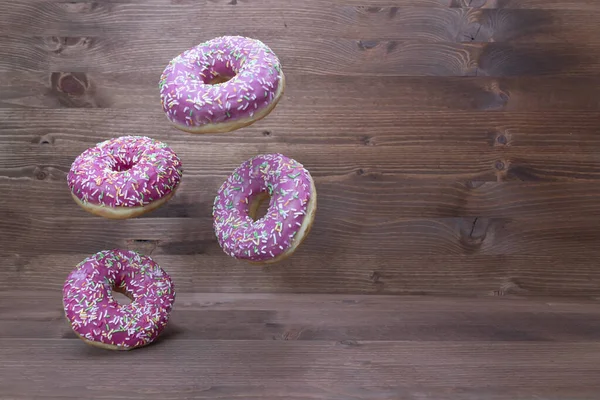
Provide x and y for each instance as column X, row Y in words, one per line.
column 221, row 85
column 98, row 319
column 292, row 208
column 124, row 177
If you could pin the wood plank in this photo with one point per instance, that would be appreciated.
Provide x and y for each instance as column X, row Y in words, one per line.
column 369, row 162
column 524, row 4
column 328, row 391
column 546, row 131
column 274, row 19
column 40, row 315
column 198, row 267
column 380, row 5
column 344, row 160
column 405, row 368
column 397, row 198
column 537, row 130
column 314, row 55
column 529, row 146
column 314, row 94
column 311, row 19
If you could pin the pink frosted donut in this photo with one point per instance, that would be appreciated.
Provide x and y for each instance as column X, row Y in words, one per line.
column 98, row 319
column 292, row 207
column 221, row 85
column 125, row 177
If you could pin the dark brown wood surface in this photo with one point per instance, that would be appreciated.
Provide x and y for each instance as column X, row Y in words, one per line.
column 455, row 146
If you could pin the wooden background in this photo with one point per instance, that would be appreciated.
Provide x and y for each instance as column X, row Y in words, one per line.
column 455, row 148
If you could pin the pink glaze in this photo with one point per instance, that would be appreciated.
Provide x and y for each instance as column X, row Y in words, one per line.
column 287, row 182
column 128, row 171
column 187, row 97
column 96, row 316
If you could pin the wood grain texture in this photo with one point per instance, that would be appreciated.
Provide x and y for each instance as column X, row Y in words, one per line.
column 369, row 346
column 374, row 6
column 481, row 163
column 312, row 95
column 402, row 367
column 336, row 229
column 546, row 131
column 400, row 198
column 520, row 4
column 311, row 56
column 312, row 18
column 330, row 317
column 206, row 270
column 454, row 145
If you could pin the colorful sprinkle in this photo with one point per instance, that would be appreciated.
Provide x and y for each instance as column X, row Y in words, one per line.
column 128, row 171
column 94, row 313
column 289, row 185
column 252, row 66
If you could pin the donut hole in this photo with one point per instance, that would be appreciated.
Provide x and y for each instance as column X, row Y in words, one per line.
column 121, row 297
column 220, row 72
column 258, row 206
column 218, row 79
column 122, row 165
